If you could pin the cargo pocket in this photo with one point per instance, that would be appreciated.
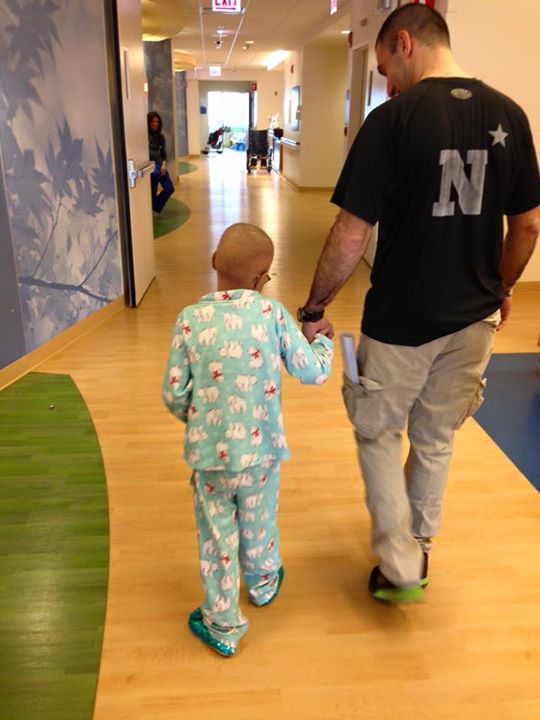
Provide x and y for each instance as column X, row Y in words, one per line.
column 473, row 404
column 363, row 401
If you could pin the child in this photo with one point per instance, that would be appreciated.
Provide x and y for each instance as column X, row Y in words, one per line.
column 223, row 380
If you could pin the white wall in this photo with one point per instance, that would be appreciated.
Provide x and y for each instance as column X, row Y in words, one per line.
column 497, row 41
column 323, row 106
column 292, row 75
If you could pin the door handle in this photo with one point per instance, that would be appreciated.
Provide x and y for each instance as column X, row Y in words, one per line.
column 134, row 172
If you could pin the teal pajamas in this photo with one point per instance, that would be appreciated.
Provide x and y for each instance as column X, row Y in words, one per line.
column 223, row 379
column 237, row 534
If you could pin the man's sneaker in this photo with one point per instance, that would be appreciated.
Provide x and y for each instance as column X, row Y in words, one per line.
column 281, row 573
column 199, row 629
column 382, row 589
column 424, row 580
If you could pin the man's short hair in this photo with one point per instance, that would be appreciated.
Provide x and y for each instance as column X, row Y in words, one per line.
column 421, row 22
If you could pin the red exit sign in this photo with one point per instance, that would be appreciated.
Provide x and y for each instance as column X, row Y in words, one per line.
column 226, row 5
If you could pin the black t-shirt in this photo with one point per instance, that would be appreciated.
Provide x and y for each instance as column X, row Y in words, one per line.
column 438, row 167
column 156, row 143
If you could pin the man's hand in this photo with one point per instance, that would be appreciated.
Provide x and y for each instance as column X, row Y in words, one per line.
column 323, row 327
column 505, row 312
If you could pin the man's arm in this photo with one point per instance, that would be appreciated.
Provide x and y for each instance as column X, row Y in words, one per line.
column 343, row 250
column 519, row 245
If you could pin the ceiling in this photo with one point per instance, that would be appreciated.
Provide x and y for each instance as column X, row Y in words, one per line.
column 244, row 41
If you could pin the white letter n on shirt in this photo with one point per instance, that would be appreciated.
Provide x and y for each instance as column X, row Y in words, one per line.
column 469, row 192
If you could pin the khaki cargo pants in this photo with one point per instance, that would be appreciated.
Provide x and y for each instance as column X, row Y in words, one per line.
column 431, row 389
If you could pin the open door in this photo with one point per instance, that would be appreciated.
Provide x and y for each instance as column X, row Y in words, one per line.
column 133, row 158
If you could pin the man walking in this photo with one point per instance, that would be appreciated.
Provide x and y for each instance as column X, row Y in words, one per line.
column 438, row 167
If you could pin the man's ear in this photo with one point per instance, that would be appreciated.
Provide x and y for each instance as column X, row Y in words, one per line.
column 214, row 261
column 404, row 43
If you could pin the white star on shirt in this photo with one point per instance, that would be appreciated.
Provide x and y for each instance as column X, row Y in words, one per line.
column 499, row 136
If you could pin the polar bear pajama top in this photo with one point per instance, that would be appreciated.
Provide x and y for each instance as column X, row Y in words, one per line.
column 223, row 378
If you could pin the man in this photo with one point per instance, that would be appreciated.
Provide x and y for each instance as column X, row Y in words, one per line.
column 438, row 167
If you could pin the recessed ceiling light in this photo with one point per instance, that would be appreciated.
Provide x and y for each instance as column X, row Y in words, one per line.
column 249, row 42
column 345, row 32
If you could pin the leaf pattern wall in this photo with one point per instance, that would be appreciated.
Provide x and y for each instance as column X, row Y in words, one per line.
column 55, row 136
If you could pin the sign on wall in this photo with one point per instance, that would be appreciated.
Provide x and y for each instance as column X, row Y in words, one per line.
column 227, row 6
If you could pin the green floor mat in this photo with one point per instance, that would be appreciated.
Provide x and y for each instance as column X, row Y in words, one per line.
column 185, row 167
column 54, row 551
column 173, row 215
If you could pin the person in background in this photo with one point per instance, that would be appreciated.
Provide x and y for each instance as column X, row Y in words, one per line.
column 223, row 379
column 438, row 167
column 158, row 153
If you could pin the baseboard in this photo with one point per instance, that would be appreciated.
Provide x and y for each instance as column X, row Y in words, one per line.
column 34, row 358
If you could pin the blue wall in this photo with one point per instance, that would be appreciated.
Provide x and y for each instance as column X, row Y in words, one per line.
column 59, row 220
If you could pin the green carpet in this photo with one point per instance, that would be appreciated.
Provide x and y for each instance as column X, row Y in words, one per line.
column 54, row 551
column 173, row 215
column 184, row 168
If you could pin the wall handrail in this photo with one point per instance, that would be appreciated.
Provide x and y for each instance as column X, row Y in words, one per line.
column 290, row 143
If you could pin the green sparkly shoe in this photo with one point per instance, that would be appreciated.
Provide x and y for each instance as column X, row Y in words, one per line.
column 199, row 629
column 383, row 590
column 424, row 580
column 281, row 573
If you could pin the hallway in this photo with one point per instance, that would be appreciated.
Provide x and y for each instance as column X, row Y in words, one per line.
column 325, row 650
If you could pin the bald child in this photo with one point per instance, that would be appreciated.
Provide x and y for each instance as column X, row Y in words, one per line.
column 223, row 379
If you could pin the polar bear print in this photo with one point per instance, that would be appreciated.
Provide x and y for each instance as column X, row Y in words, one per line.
column 232, row 321
column 209, row 547
column 247, row 516
column 208, row 336
column 256, row 436
column 193, row 457
column 260, row 412
column 255, row 358
column 214, row 417
column 286, row 340
column 248, row 534
column 221, row 604
column 253, row 501
column 255, row 552
column 227, row 583
column 233, row 540
column 299, row 359
column 265, row 515
column 276, row 361
column 225, row 560
column 261, row 533
column 260, row 333
column 193, row 355
column 215, row 368
column 270, row 389
column 186, row 329
column 175, row 375
column 236, row 404
column 192, row 412
column 235, row 431
column 263, row 480
column 248, row 460
column 266, row 308
column 222, row 451
column 268, row 461
column 208, row 568
column 209, row 394
column 280, row 317
column 231, row 349
column 320, row 379
column 196, row 434
column 177, row 341
column 215, row 508
column 245, row 480
column 278, row 440
column 205, row 313
column 245, row 383
column 280, row 420
column 244, row 301
column 168, row 397
column 269, row 565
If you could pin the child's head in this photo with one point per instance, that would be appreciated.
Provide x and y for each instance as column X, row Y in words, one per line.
column 243, row 257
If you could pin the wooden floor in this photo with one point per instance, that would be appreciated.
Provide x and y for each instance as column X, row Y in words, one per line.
column 324, row 650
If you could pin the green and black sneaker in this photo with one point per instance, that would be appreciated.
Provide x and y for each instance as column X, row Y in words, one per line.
column 383, row 590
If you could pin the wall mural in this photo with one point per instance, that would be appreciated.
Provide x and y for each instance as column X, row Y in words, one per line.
column 55, row 134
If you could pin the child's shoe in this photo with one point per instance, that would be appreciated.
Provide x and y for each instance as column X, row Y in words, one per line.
column 281, row 573
column 199, row 629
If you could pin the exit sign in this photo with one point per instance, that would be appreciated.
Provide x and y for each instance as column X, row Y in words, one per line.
column 227, row 6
